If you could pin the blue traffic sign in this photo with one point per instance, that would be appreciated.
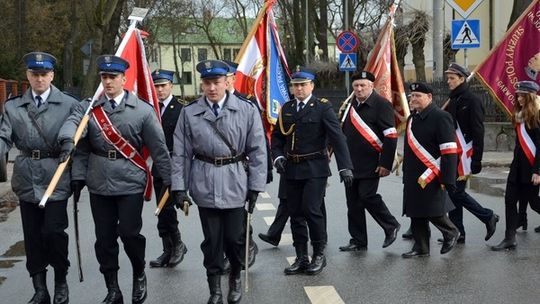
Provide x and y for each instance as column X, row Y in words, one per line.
column 465, row 34
column 347, row 42
column 347, row 62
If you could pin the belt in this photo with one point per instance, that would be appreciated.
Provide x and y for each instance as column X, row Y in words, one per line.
column 221, row 161
column 110, row 154
column 40, row 154
column 296, row 158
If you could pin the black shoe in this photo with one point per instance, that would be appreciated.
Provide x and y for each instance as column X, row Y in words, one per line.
column 353, row 247
column 414, row 254
column 522, row 223
column 391, row 237
column 214, row 283
column 317, row 264
column 491, row 225
column 177, row 253
column 460, row 240
column 299, row 266
column 449, row 244
column 407, row 235
column 537, row 229
column 139, row 289
column 61, row 293
column 41, row 294
column 114, row 295
column 269, row 239
column 163, row 259
column 235, row 289
column 505, row 245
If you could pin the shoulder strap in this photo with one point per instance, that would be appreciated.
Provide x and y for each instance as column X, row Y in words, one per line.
column 223, row 138
column 40, row 131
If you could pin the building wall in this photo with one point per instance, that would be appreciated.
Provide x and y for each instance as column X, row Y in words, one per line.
column 497, row 25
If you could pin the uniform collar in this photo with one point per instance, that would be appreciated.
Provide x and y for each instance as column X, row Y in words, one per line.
column 44, row 95
column 425, row 112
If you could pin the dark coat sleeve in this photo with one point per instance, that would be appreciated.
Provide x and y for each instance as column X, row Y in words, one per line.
column 445, row 134
column 336, row 137
column 477, row 127
column 389, row 142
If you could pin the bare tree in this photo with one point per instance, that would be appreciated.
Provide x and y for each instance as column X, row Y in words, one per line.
column 418, row 28
column 203, row 14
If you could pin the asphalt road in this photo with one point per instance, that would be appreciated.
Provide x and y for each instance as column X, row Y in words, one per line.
column 471, row 273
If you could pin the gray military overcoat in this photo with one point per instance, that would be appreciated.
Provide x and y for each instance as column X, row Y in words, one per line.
column 226, row 186
column 32, row 176
column 137, row 122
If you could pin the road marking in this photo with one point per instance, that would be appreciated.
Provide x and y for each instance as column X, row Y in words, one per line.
column 269, row 220
column 265, row 206
column 323, row 295
column 264, row 195
column 286, row 239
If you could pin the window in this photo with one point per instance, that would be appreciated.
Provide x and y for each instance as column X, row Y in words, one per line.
column 235, row 53
column 227, row 54
column 186, row 78
column 202, row 54
column 185, row 54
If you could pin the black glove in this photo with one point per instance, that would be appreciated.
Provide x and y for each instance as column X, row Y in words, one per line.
column 66, row 149
column 269, row 177
column 251, row 199
column 346, row 176
column 179, row 198
column 76, row 188
column 450, row 188
column 280, row 165
column 476, row 166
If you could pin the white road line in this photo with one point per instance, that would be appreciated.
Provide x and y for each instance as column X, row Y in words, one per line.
column 269, row 220
column 323, row 295
column 264, row 195
column 286, row 239
column 265, row 206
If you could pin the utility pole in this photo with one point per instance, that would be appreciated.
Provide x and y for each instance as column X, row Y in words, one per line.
column 438, row 26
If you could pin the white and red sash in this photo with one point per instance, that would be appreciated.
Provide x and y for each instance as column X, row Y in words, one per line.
column 465, row 152
column 113, row 137
column 433, row 165
column 367, row 133
column 526, row 143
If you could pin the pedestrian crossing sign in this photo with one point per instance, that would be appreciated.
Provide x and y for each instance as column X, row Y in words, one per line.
column 347, row 62
column 465, row 34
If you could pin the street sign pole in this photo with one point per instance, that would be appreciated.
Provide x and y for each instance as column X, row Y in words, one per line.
column 347, row 82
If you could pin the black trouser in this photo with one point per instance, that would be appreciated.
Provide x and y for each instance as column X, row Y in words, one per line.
column 461, row 200
column 223, row 231
column 45, row 239
column 116, row 216
column 514, row 193
column 361, row 196
column 420, row 230
column 167, row 219
column 305, row 199
column 282, row 216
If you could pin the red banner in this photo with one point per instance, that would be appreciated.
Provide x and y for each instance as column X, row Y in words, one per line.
column 515, row 58
column 388, row 81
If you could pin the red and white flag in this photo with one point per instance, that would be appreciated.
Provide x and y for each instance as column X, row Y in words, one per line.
column 262, row 68
column 138, row 76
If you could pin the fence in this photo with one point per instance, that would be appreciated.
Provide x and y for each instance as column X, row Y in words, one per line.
column 440, row 94
column 9, row 88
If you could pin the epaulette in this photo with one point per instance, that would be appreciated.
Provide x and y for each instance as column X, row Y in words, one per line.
column 192, row 102
column 324, row 100
column 13, row 97
column 71, row 95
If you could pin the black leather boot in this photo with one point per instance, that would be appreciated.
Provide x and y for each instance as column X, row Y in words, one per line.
column 508, row 243
column 139, row 288
column 301, row 263
column 114, row 295
column 214, row 283
column 178, row 249
column 41, row 294
column 235, row 286
column 164, row 259
column 318, row 261
column 226, row 265
column 522, row 221
column 61, row 292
